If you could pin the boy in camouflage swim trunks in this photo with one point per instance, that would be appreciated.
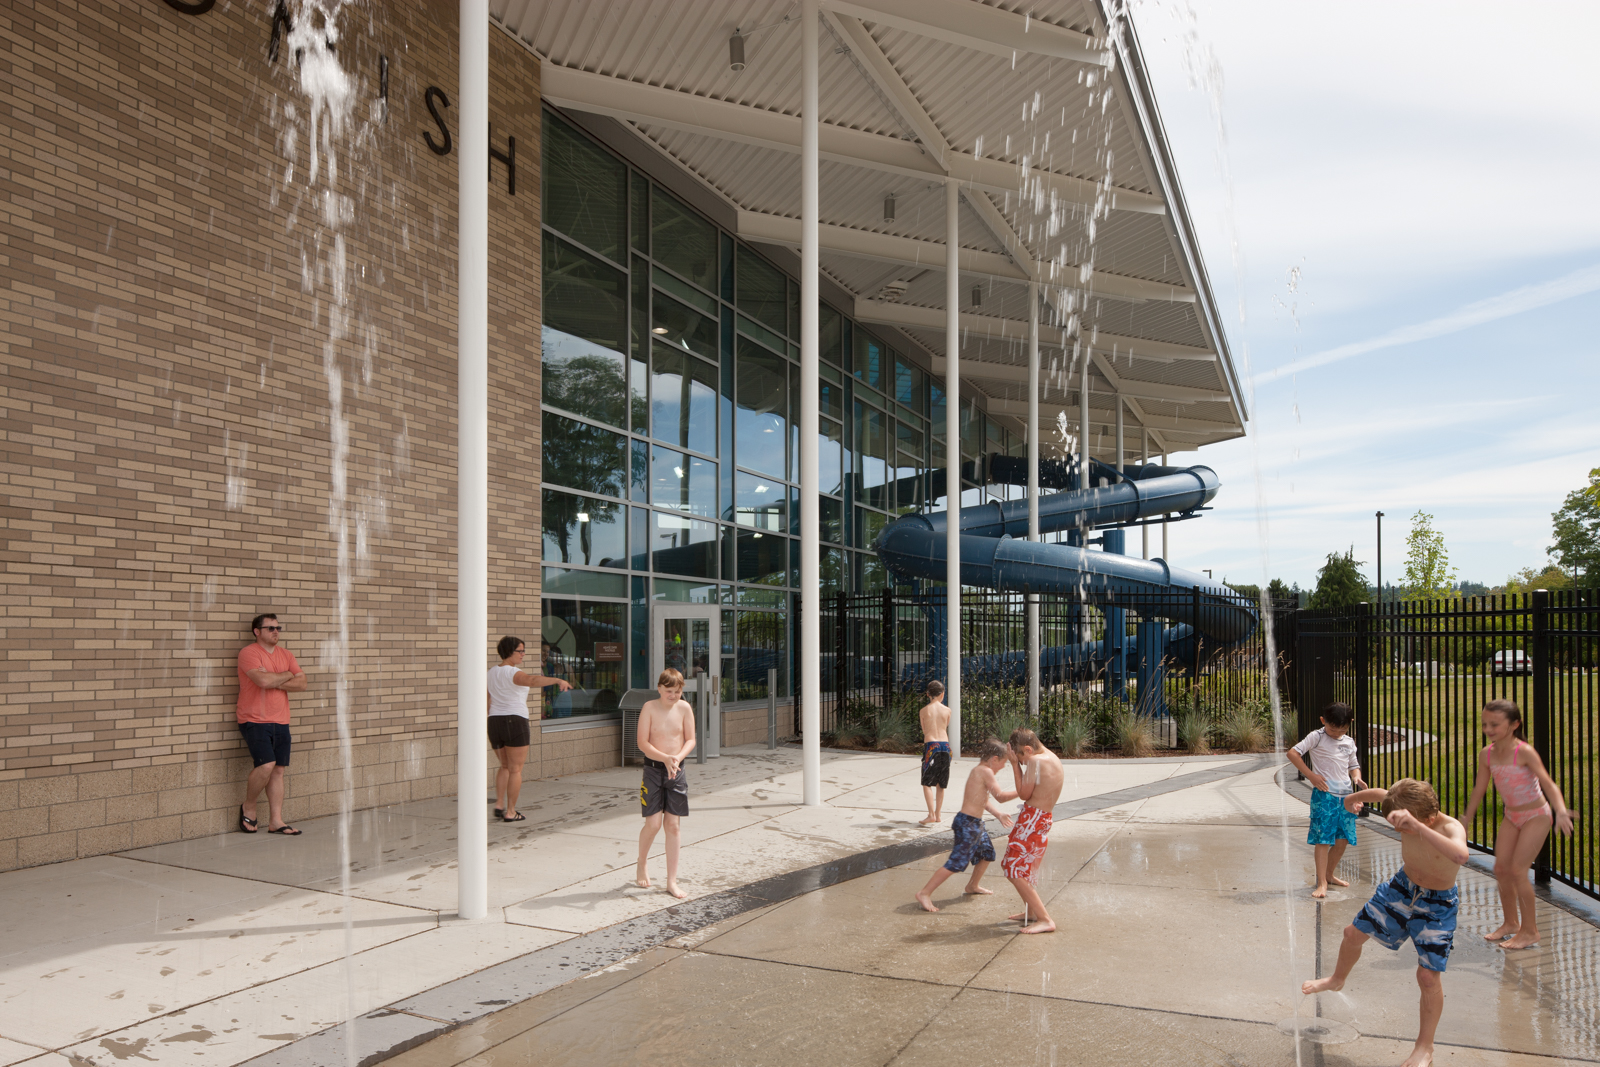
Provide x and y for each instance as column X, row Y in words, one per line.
column 1418, row 903
column 973, row 846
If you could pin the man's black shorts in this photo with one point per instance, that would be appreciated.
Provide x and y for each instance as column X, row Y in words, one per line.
column 656, row 793
column 508, row 731
column 268, row 742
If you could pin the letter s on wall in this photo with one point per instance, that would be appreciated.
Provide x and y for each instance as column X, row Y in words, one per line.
column 434, row 97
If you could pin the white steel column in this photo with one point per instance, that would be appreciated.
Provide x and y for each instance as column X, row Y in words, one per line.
column 952, row 467
column 1033, row 491
column 1144, row 459
column 1119, row 433
column 472, row 464
column 1084, row 481
column 810, row 526
column 1164, row 549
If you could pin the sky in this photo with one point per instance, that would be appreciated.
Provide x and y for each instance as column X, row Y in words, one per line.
column 1397, row 206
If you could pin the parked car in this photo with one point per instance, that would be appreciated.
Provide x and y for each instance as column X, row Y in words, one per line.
column 1512, row 661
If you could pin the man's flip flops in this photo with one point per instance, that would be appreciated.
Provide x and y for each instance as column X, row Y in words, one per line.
column 518, row 817
column 286, row 831
column 246, row 825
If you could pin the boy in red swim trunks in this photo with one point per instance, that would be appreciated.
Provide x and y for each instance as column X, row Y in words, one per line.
column 1038, row 776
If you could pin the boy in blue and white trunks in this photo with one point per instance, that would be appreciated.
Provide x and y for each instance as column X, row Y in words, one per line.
column 983, row 793
column 1333, row 773
column 1418, row 903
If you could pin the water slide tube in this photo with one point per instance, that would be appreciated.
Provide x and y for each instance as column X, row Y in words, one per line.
column 995, row 554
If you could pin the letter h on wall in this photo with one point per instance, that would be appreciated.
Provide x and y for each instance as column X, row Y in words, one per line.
column 508, row 157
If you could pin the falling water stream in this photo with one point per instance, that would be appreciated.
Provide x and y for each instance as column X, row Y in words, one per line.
column 1308, row 1025
column 327, row 96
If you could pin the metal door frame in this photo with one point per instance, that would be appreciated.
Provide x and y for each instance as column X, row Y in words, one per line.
column 708, row 730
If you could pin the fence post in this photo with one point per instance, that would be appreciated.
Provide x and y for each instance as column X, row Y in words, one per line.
column 841, row 648
column 794, row 664
column 1363, row 707
column 888, row 644
column 772, row 708
column 1541, row 706
column 1194, row 673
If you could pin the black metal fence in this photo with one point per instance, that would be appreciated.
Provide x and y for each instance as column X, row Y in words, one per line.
column 879, row 650
column 1418, row 675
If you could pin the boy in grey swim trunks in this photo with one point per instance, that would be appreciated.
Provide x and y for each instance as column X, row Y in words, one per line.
column 666, row 736
column 983, row 793
column 1418, row 903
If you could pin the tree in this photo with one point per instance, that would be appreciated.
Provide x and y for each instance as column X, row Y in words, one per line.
column 1279, row 591
column 1577, row 532
column 1244, row 589
column 1528, row 579
column 1340, row 583
column 1428, row 572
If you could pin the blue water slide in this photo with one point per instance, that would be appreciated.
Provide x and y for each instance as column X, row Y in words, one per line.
column 996, row 555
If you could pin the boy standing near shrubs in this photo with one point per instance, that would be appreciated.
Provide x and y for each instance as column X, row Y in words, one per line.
column 1333, row 767
column 935, row 718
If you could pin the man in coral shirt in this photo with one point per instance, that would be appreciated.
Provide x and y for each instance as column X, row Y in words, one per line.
column 267, row 675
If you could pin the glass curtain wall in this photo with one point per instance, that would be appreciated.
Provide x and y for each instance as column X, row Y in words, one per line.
column 670, row 434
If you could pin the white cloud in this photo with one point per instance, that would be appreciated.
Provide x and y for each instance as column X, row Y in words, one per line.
column 1520, row 300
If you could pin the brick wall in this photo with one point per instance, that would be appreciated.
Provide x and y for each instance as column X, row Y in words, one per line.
column 168, row 284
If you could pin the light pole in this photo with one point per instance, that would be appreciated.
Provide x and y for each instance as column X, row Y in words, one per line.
column 1380, row 561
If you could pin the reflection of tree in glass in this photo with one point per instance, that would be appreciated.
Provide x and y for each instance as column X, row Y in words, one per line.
column 589, row 383
column 578, row 454
column 561, row 519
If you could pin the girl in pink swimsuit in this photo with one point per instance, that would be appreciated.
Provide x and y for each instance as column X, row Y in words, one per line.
column 1524, row 785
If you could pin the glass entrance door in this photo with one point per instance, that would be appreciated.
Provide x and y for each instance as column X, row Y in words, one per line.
column 687, row 637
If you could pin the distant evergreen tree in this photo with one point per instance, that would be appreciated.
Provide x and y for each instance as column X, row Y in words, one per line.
column 1340, row 583
column 1278, row 591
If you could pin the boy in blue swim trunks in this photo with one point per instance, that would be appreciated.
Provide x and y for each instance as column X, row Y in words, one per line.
column 1418, row 903
column 973, row 845
column 1333, row 768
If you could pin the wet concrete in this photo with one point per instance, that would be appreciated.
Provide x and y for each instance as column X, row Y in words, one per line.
column 1180, row 942
column 800, row 943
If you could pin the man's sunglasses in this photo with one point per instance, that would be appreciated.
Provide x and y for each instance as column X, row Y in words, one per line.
column 274, row 629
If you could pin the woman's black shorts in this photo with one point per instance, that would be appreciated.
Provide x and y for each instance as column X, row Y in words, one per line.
column 508, row 731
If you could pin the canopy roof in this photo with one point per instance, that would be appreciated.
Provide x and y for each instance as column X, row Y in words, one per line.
column 1040, row 109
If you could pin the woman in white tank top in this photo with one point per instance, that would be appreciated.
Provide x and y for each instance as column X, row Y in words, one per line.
column 508, row 723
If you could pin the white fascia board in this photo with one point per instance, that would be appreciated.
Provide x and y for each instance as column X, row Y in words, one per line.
column 651, row 105
column 1166, row 424
column 993, row 327
column 776, row 229
column 779, row 229
column 977, row 26
column 1010, row 372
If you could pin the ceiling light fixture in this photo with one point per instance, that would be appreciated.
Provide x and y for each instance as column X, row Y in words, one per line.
column 888, row 208
column 977, row 296
column 736, row 52
column 659, row 329
column 893, row 291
